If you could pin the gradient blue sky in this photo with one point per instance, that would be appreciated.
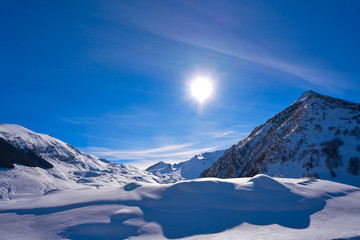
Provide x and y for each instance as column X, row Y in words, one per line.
column 111, row 77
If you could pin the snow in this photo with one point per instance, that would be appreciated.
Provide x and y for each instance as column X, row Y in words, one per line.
column 185, row 170
column 72, row 169
column 241, row 208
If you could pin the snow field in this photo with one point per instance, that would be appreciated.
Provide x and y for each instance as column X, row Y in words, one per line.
column 244, row 208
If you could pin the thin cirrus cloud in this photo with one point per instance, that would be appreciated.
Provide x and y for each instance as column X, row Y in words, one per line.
column 144, row 158
column 314, row 75
column 175, row 153
column 125, row 118
column 197, row 138
column 219, row 38
column 222, row 134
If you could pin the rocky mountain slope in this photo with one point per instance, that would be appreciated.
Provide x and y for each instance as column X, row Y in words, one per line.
column 186, row 170
column 34, row 164
column 317, row 136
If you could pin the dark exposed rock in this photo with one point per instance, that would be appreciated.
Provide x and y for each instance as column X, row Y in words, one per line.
column 9, row 155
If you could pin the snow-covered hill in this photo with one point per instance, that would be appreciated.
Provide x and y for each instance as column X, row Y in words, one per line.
column 244, row 208
column 69, row 167
column 317, row 136
column 186, row 170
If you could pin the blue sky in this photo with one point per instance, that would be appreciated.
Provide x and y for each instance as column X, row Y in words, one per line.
column 112, row 77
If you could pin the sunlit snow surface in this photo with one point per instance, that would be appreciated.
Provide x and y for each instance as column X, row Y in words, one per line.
column 73, row 169
column 243, row 208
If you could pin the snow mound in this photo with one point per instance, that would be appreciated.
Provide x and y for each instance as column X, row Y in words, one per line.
column 266, row 182
column 255, row 208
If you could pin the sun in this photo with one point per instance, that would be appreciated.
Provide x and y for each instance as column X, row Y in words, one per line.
column 201, row 88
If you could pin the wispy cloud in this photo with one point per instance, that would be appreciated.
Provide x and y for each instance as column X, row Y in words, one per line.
column 161, row 144
column 138, row 153
column 222, row 134
column 77, row 120
column 132, row 117
column 313, row 74
column 215, row 133
column 145, row 157
column 207, row 141
column 217, row 34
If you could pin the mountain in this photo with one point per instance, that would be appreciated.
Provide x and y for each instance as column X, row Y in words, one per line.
column 34, row 164
column 317, row 136
column 186, row 170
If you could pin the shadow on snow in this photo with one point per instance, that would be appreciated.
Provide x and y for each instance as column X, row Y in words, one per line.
column 201, row 207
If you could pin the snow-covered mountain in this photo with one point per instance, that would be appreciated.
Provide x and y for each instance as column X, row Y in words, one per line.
column 33, row 164
column 317, row 136
column 185, row 170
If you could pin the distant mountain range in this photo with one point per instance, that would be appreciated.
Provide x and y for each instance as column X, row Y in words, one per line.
column 317, row 136
column 185, row 170
column 33, row 164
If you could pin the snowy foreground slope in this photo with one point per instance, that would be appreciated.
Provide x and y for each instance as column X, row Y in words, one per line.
column 317, row 136
column 243, row 208
column 185, row 170
column 70, row 168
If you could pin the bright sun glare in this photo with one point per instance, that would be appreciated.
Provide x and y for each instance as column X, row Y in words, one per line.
column 201, row 88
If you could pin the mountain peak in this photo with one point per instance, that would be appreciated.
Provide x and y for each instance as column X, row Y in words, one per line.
column 305, row 139
column 308, row 94
column 157, row 166
column 311, row 95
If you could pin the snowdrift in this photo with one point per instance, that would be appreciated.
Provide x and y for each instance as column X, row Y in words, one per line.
column 245, row 208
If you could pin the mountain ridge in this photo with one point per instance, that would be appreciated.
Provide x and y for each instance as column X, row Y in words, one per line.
column 23, row 176
column 315, row 133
